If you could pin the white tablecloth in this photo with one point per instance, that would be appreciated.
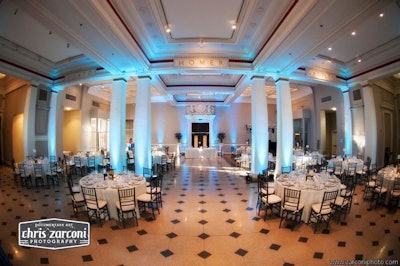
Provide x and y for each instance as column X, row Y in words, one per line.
column 108, row 189
column 200, row 152
column 312, row 191
column 29, row 166
column 157, row 156
column 345, row 163
column 389, row 173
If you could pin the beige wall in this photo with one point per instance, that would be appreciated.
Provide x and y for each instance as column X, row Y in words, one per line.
column 14, row 106
column 72, row 129
column 18, row 140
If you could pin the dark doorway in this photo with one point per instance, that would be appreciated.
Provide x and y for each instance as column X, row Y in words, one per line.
column 200, row 135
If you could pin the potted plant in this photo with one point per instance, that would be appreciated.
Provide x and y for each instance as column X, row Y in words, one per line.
column 221, row 137
column 178, row 136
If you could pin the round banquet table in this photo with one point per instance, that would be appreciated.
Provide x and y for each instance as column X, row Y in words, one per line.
column 312, row 189
column 390, row 173
column 108, row 189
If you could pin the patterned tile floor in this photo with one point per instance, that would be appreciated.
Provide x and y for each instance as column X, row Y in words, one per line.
column 208, row 218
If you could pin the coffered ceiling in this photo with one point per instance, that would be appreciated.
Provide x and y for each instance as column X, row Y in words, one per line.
column 64, row 43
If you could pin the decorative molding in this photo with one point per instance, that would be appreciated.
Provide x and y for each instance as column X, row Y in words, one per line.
column 202, row 62
column 200, row 109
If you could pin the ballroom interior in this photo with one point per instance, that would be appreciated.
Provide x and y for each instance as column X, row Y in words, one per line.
column 224, row 87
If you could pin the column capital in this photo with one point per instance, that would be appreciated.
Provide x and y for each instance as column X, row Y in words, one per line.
column 257, row 77
column 144, row 77
column 119, row 79
column 365, row 83
column 281, row 79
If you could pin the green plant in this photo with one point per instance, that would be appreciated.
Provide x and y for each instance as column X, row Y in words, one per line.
column 221, row 136
column 178, row 136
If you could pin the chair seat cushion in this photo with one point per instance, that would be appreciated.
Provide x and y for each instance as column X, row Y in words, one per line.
column 317, row 209
column 290, row 206
column 395, row 193
column 155, row 190
column 271, row 199
column 128, row 207
column 345, row 193
column 271, row 190
column 77, row 197
column 380, row 190
column 340, row 201
column 371, row 184
column 146, row 197
column 101, row 203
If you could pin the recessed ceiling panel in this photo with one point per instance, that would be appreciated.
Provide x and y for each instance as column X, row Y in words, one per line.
column 209, row 19
column 374, row 32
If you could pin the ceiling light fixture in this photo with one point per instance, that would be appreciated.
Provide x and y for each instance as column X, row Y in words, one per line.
column 381, row 15
column 353, row 33
column 330, row 48
column 167, row 29
column 233, row 27
column 359, row 60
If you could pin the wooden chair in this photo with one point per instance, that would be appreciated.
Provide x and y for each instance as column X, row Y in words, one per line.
column 26, row 179
column 126, row 205
column 322, row 212
column 266, row 198
column 291, row 208
column 149, row 200
column 97, row 210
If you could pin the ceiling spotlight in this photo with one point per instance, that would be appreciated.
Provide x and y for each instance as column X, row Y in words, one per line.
column 359, row 60
column 330, row 49
column 353, row 33
column 381, row 15
column 167, row 29
column 234, row 27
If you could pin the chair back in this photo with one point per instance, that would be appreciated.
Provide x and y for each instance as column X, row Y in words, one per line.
column 337, row 168
column 351, row 169
column 77, row 161
column 90, row 196
column 127, row 198
column 286, row 169
column 91, row 161
column 396, row 185
column 21, row 169
column 291, row 199
column 147, row 172
column 328, row 198
column 38, row 169
column 261, row 181
column 379, row 180
column 70, row 183
column 164, row 159
column 154, row 183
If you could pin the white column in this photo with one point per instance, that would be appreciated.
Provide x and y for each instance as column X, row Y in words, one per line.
column 30, row 120
column 56, row 122
column 142, row 125
column 259, row 123
column 284, row 146
column 348, row 131
column 118, row 124
column 370, row 123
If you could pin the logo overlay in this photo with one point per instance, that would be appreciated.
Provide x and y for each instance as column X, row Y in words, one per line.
column 53, row 234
